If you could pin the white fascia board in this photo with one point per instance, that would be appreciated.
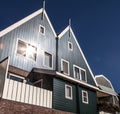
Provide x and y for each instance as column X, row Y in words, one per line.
column 62, row 33
column 17, row 24
column 77, row 81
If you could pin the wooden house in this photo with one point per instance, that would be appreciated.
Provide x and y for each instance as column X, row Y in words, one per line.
column 41, row 68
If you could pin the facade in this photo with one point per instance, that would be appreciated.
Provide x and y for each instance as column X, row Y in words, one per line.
column 108, row 101
column 41, row 68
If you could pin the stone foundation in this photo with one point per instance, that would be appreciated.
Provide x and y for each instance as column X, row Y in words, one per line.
column 11, row 107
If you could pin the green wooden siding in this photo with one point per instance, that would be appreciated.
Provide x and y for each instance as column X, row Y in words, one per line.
column 59, row 100
column 91, row 107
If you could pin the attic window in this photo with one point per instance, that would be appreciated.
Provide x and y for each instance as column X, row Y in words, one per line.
column 26, row 50
column 70, row 46
column 42, row 29
column 48, row 60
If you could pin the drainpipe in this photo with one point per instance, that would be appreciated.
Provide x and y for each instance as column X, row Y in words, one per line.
column 56, row 54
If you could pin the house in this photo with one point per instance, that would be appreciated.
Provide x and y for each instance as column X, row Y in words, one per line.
column 42, row 68
column 108, row 101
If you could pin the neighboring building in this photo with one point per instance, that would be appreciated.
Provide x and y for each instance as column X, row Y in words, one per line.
column 108, row 101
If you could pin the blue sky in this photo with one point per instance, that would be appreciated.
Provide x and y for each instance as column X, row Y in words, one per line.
column 96, row 24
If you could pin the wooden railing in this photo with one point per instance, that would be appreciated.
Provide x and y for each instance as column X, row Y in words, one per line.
column 25, row 93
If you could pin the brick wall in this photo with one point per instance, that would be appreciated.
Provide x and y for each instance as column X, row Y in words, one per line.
column 11, row 107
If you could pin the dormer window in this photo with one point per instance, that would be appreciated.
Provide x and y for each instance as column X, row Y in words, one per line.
column 42, row 29
column 70, row 46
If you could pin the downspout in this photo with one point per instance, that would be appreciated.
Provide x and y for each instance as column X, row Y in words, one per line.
column 57, row 53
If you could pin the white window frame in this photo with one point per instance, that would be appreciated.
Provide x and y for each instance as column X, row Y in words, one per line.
column 62, row 67
column 86, row 102
column 68, row 97
column 17, row 76
column 26, row 49
column 40, row 30
column 80, row 72
column 71, row 49
column 44, row 60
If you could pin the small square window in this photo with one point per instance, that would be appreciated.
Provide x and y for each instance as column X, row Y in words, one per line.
column 48, row 60
column 68, row 92
column 42, row 29
column 85, row 97
column 70, row 46
column 65, row 67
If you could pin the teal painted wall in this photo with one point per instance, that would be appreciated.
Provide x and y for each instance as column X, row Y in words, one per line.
column 59, row 100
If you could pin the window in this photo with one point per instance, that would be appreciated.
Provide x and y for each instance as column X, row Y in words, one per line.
column 85, row 97
column 70, row 46
column 48, row 60
column 26, row 50
column 65, row 67
column 68, row 92
column 15, row 77
column 42, row 29
column 79, row 73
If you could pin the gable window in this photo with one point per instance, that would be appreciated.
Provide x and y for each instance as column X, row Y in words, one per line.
column 42, row 29
column 70, row 46
column 48, row 60
column 68, row 91
column 85, row 97
column 26, row 50
column 79, row 73
column 65, row 67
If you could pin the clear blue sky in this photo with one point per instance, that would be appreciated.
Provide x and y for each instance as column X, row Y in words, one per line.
column 96, row 24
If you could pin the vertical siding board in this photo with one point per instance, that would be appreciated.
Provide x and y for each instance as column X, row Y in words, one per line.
column 41, row 97
column 34, row 95
column 30, row 94
column 14, row 93
column 5, row 91
column 38, row 96
column 23, row 93
column 27, row 94
column 19, row 91
column 10, row 90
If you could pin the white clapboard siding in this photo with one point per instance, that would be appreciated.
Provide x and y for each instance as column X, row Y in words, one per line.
column 25, row 93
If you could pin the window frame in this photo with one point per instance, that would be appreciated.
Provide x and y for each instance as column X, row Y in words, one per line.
column 87, row 98
column 26, row 54
column 16, row 76
column 70, row 43
column 80, row 69
column 51, row 61
column 71, row 90
column 43, row 33
column 62, row 60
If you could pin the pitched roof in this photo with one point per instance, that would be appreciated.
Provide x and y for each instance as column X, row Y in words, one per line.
column 62, row 33
column 17, row 24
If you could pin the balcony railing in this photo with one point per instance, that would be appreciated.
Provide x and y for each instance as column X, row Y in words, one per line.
column 26, row 93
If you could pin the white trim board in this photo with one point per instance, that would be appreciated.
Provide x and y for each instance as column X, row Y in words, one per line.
column 17, row 24
column 62, row 33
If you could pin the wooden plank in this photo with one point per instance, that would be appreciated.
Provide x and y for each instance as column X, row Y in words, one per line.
column 50, row 104
column 14, row 90
column 23, row 93
column 38, row 96
column 27, row 94
column 30, row 94
column 34, row 95
column 41, row 97
column 5, row 90
column 10, row 89
column 19, row 91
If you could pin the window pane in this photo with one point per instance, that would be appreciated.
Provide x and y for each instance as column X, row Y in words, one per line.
column 41, row 29
column 65, row 67
column 21, row 49
column 77, row 72
column 68, row 92
column 83, row 76
column 31, row 52
column 48, row 59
